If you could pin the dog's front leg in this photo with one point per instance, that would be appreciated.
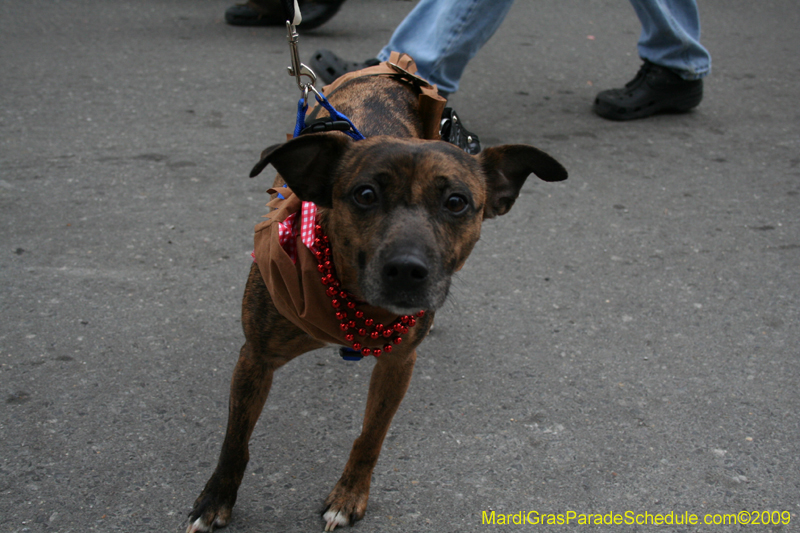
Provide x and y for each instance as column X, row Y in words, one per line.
column 390, row 379
column 271, row 342
column 249, row 389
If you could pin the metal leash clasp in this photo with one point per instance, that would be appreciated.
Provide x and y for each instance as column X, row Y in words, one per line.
column 299, row 69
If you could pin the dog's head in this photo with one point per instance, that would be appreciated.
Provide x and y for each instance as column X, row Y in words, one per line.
column 402, row 215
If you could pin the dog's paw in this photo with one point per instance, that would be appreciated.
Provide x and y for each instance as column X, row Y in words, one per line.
column 207, row 515
column 344, row 507
column 202, row 525
column 333, row 519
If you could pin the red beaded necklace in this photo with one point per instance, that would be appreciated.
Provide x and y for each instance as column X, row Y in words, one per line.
column 352, row 321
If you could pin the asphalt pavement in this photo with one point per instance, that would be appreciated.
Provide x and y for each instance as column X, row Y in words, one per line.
column 622, row 342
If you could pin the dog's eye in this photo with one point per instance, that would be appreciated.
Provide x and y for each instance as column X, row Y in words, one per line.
column 365, row 196
column 456, row 204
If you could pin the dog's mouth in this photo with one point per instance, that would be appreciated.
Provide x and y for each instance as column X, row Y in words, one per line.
column 405, row 283
column 407, row 305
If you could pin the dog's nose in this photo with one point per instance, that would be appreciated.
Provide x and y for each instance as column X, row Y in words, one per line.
column 408, row 270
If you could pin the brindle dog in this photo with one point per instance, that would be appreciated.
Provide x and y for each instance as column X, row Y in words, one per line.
column 402, row 215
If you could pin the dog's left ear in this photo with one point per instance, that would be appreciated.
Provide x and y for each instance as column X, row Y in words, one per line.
column 307, row 164
column 507, row 167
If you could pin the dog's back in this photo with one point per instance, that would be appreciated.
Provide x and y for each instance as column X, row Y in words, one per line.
column 377, row 105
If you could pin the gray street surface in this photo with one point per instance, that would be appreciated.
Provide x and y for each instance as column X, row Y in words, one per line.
column 624, row 341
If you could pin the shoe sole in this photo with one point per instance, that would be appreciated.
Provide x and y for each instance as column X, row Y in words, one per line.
column 675, row 104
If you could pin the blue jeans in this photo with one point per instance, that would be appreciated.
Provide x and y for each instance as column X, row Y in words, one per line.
column 443, row 35
column 671, row 36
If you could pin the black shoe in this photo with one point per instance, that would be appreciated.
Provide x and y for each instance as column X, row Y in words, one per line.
column 453, row 131
column 317, row 12
column 256, row 14
column 328, row 66
column 655, row 89
column 271, row 13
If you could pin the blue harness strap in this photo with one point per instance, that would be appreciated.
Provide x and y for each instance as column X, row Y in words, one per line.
column 300, row 124
column 336, row 116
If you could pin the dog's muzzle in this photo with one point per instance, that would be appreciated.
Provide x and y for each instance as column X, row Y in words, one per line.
column 405, row 280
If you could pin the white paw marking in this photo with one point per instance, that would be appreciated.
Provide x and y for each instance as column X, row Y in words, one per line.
column 333, row 519
column 198, row 525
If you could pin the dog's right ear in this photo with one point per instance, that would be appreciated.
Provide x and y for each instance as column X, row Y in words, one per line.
column 307, row 164
column 507, row 167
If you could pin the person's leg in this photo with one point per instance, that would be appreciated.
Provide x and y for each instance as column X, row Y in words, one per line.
column 670, row 80
column 671, row 36
column 441, row 36
column 444, row 35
